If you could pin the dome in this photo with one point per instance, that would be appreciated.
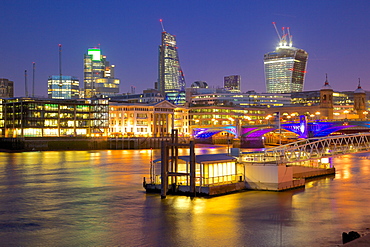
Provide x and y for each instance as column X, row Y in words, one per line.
column 359, row 89
column 326, row 85
column 199, row 84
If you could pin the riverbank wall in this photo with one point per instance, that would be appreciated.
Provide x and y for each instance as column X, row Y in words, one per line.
column 81, row 143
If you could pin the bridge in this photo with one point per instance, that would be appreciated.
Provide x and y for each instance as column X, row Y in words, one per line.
column 300, row 153
column 252, row 135
column 287, row 166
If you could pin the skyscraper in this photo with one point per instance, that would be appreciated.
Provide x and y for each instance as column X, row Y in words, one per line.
column 6, row 88
column 63, row 87
column 171, row 81
column 232, row 83
column 285, row 68
column 99, row 78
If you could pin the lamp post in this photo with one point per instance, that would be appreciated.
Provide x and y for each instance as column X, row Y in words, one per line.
column 365, row 114
column 346, row 112
column 268, row 119
column 317, row 115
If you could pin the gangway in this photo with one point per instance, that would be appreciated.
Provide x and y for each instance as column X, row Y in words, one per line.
column 298, row 153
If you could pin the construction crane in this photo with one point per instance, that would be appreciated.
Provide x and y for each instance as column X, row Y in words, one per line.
column 161, row 21
column 25, row 83
column 60, row 71
column 33, row 78
column 286, row 39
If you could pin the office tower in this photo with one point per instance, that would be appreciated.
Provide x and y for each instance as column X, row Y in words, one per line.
column 63, row 87
column 232, row 83
column 6, row 88
column 285, row 68
column 99, row 78
column 171, row 81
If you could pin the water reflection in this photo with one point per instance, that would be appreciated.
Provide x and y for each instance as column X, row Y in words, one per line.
column 95, row 198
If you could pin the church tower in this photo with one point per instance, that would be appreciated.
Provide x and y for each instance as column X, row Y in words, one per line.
column 359, row 101
column 326, row 100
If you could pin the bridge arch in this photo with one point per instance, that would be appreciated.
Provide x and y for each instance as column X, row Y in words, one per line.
column 204, row 133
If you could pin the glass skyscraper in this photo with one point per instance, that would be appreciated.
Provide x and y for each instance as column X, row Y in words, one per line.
column 63, row 87
column 285, row 68
column 99, row 78
column 171, row 81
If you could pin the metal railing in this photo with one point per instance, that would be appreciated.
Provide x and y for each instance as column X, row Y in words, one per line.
column 311, row 149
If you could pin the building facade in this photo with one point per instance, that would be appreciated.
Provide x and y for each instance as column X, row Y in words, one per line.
column 6, row 88
column 171, row 80
column 33, row 117
column 285, row 68
column 63, row 87
column 147, row 119
column 99, row 80
column 232, row 83
column 148, row 96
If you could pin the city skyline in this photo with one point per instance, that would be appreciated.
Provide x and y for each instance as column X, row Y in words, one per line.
column 215, row 41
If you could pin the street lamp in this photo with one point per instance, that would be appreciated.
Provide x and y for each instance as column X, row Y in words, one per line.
column 231, row 120
column 365, row 114
column 346, row 112
column 317, row 114
column 268, row 119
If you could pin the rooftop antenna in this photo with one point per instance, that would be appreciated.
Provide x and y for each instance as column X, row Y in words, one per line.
column 277, row 32
column 359, row 83
column 25, row 83
column 326, row 80
column 161, row 21
column 33, row 78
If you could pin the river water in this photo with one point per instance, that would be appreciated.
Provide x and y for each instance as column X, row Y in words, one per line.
column 96, row 198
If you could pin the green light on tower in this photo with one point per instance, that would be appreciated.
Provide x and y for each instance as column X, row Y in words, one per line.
column 95, row 52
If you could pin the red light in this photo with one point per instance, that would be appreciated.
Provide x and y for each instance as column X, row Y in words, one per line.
column 160, row 20
column 273, row 23
column 297, row 70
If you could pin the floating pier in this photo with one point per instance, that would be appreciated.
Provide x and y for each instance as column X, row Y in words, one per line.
column 215, row 174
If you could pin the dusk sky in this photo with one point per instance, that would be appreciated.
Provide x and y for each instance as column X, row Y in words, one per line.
column 215, row 38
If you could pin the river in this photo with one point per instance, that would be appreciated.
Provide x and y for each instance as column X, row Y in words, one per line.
column 96, row 198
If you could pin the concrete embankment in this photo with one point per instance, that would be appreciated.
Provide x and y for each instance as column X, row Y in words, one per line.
column 308, row 172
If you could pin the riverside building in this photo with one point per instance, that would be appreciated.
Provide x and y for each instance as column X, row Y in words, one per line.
column 38, row 117
column 155, row 119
